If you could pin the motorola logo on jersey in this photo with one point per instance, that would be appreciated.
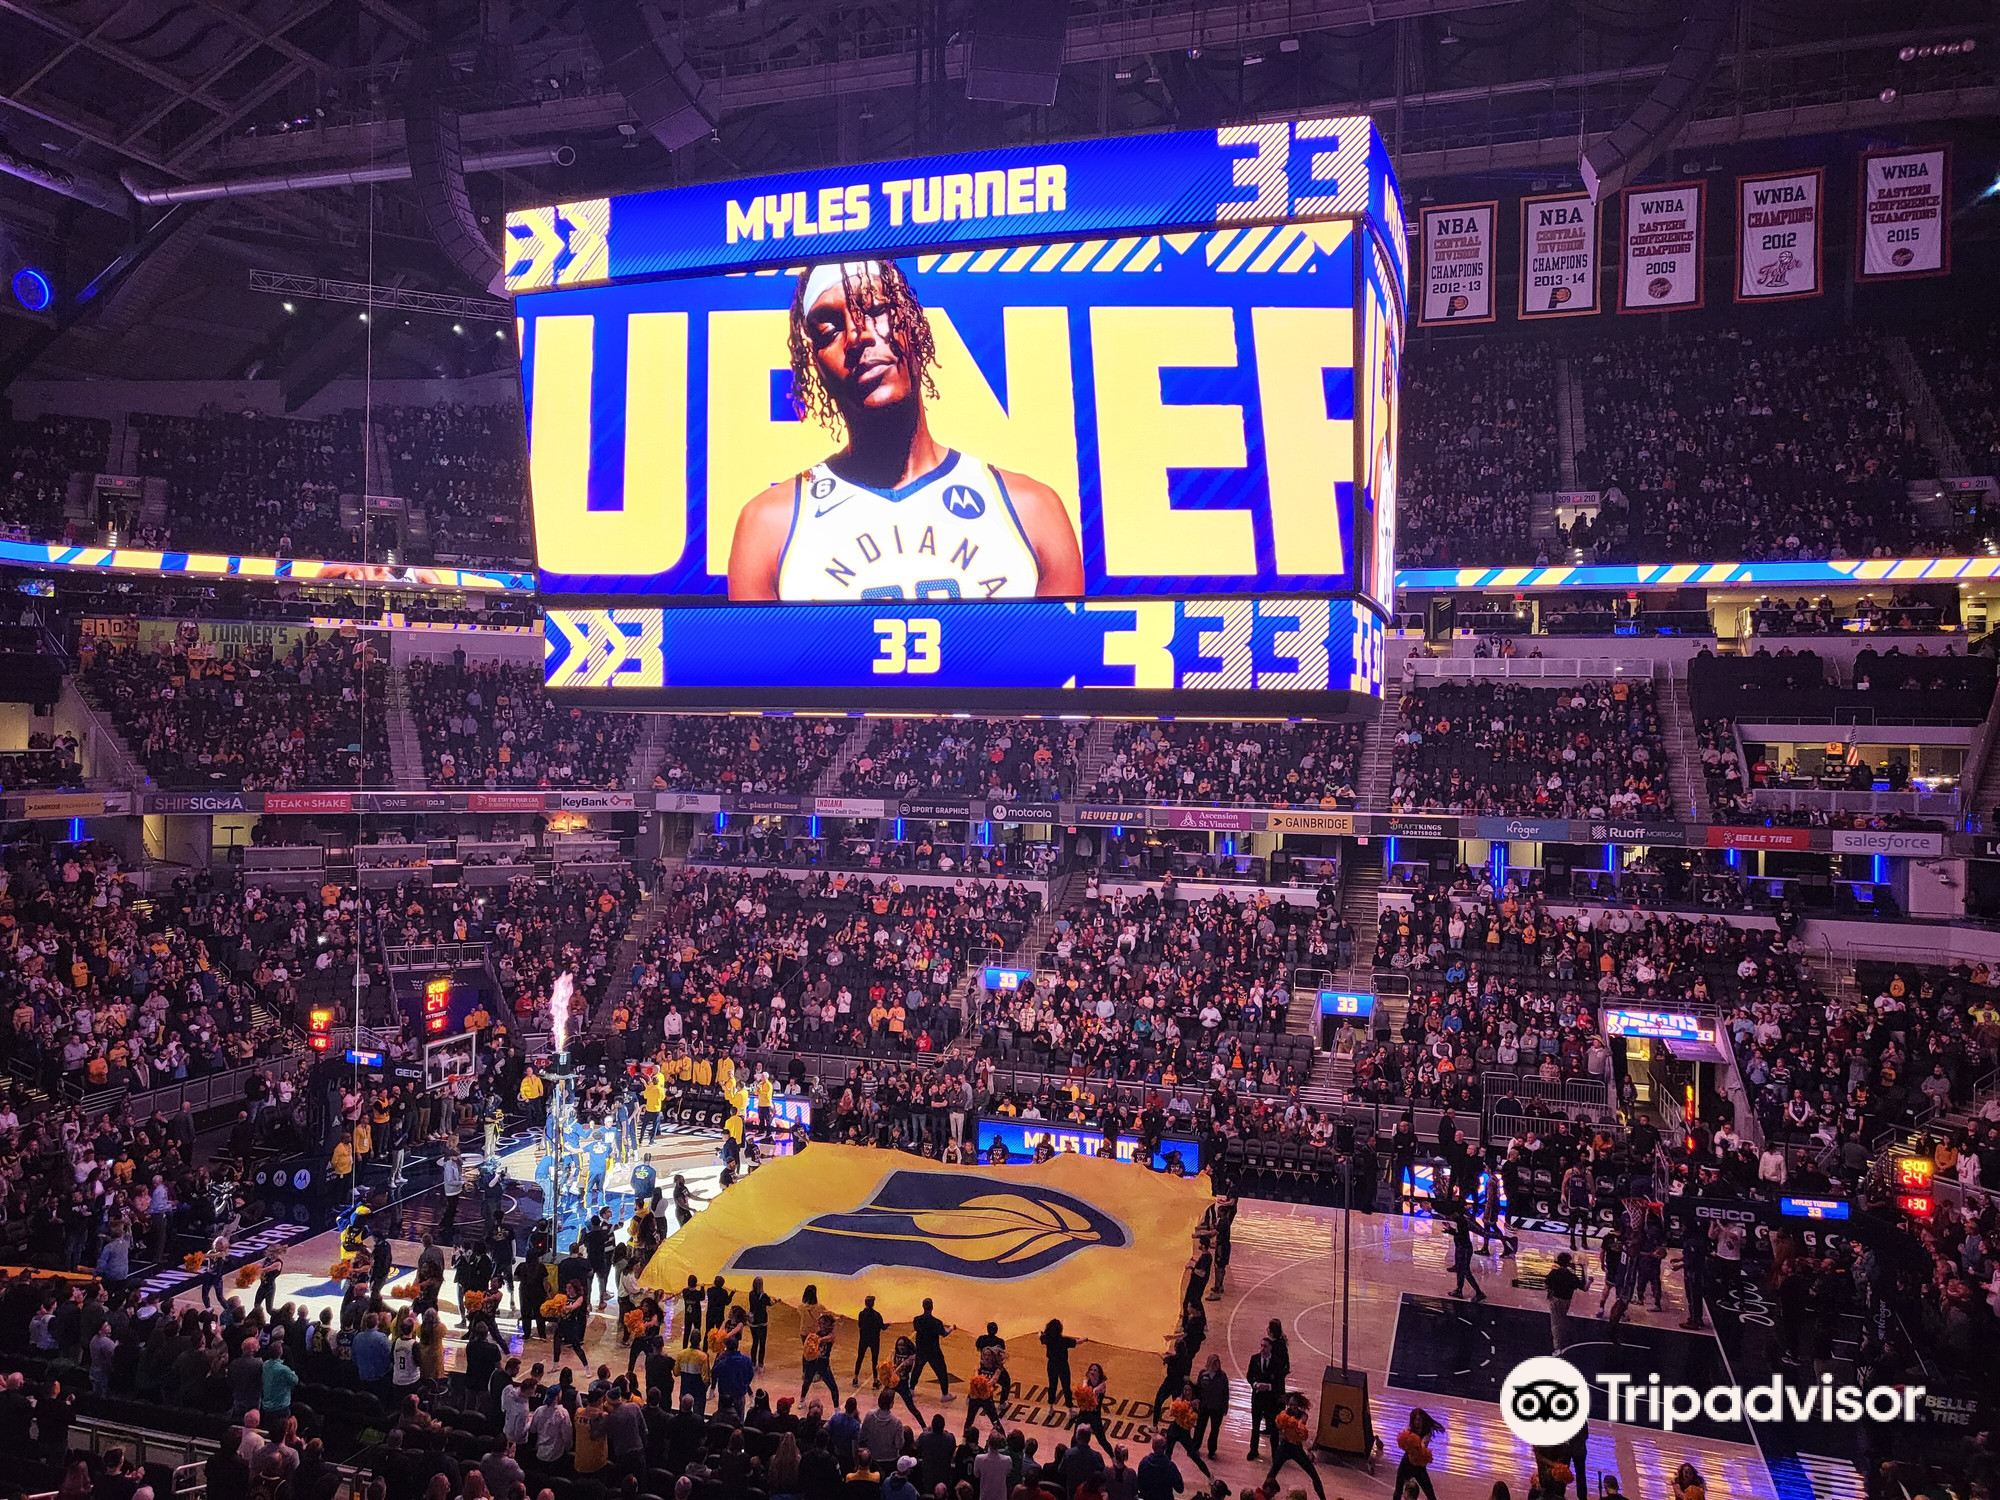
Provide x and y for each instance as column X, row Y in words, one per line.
column 962, row 500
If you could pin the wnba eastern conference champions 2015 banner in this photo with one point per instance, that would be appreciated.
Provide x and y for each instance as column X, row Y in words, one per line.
column 1904, row 230
column 1076, row 1238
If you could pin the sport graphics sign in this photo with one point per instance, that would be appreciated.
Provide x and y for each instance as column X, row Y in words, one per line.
column 1778, row 235
column 1904, row 230
column 1659, row 263
column 1457, row 262
column 1558, row 256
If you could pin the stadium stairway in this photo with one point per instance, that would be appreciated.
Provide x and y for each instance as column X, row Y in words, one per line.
column 1569, row 423
column 1378, row 753
column 638, row 932
column 649, row 754
column 831, row 779
column 406, row 751
column 1689, row 786
column 108, row 760
column 1094, row 755
column 1932, row 428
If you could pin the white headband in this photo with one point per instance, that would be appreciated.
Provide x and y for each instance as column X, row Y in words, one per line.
column 822, row 279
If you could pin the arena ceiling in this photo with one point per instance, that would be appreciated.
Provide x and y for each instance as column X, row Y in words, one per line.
column 109, row 109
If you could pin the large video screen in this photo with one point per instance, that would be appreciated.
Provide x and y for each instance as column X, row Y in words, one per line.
column 1179, row 417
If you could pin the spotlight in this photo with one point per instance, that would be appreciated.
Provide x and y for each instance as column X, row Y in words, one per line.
column 499, row 333
column 33, row 290
column 1253, row 59
column 362, row 316
column 289, row 308
column 1289, row 45
column 1888, row 95
column 458, row 328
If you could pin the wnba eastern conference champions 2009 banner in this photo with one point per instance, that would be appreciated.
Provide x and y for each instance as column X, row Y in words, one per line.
column 1100, row 1244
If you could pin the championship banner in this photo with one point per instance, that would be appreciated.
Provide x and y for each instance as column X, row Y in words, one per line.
column 1071, row 1238
column 1457, row 251
column 1777, row 235
column 1659, row 261
column 1558, row 256
column 1903, row 230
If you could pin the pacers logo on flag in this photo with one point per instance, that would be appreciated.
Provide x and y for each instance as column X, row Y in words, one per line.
column 947, row 1222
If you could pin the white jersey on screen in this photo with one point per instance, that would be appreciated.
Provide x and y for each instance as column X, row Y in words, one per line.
column 949, row 534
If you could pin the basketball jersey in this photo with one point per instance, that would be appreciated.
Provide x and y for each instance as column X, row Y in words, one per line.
column 951, row 534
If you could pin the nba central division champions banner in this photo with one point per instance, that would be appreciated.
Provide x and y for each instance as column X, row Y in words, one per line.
column 1100, row 1244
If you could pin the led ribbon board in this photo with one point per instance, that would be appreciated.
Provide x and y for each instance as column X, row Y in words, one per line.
column 1095, row 425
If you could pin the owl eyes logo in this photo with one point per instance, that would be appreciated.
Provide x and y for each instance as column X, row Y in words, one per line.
column 943, row 1222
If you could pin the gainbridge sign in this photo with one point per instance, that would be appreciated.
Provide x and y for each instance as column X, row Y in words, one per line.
column 1014, row 1245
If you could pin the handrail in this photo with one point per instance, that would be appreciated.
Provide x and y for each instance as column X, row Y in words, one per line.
column 1472, row 668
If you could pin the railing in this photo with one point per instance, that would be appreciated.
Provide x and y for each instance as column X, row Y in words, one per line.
column 435, row 955
column 210, row 1091
column 1916, row 802
column 1475, row 668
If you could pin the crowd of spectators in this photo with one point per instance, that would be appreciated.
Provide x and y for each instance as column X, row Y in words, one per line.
column 717, row 753
column 1479, row 441
column 1722, row 770
column 241, row 482
column 1961, row 360
column 1489, row 747
column 49, row 763
column 837, row 963
column 36, row 461
column 991, row 758
column 1904, row 613
column 1722, row 444
column 1282, row 765
column 312, row 715
column 1148, row 989
column 490, row 724
column 466, row 467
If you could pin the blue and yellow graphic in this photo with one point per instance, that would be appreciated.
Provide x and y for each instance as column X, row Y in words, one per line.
column 1018, row 1245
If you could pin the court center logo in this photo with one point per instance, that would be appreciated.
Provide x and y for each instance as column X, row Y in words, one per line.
column 944, row 1222
column 1545, row 1401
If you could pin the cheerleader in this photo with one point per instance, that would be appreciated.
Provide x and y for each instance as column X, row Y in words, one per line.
column 1090, row 1401
column 1289, row 1446
column 1178, row 1423
column 982, row 1391
column 898, row 1373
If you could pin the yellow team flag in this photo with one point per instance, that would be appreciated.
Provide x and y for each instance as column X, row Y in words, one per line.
column 1099, row 1244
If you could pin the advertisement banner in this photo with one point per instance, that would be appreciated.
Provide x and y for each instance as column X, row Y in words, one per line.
column 1777, row 235
column 75, row 804
column 504, row 802
column 1019, row 1139
column 1986, row 847
column 406, row 802
column 1659, row 261
column 1671, row 835
column 1558, row 256
column 1554, row 829
column 851, row 807
column 201, row 802
column 1214, row 819
column 1022, row 812
column 1458, row 260
column 598, row 802
column 1887, row 841
column 765, row 803
column 934, row 807
column 309, row 802
column 1759, row 838
column 688, row 802
column 1398, row 826
column 1107, row 815
column 1309, row 822
column 1904, row 230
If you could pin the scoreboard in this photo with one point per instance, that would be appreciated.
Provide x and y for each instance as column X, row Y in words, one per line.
column 1088, row 427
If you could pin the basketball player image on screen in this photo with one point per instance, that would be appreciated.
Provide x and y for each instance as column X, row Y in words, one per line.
column 894, row 514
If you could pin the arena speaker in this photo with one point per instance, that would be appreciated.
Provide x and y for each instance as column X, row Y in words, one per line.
column 1614, row 161
column 651, row 71
column 437, row 172
column 1016, row 52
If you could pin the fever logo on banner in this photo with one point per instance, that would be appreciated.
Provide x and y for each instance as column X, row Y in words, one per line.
column 1457, row 255
column 1558, row 256
column 1777, row 235
column 1903, row 227
column 1659, row 264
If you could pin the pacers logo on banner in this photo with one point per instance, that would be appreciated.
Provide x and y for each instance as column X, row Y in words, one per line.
column 946, row 1222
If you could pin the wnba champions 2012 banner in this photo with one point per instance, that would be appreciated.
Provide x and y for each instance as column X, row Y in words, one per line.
column 1457, row 261
column 1904, row 229
column 1778, row 235
column 1558, row 256
column 1070, row 1238
column 1659, row 261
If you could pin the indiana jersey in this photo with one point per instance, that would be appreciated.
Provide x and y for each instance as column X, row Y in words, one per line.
column 950, row 534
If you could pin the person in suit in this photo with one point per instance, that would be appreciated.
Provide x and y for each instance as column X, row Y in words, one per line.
column 1265, row 1394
